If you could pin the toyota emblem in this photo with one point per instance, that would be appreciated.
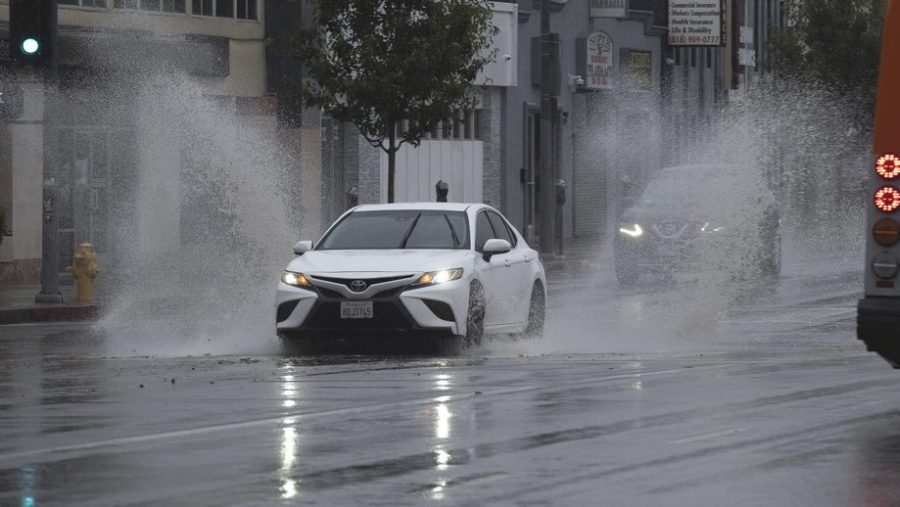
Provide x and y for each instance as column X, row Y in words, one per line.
column 358, row 285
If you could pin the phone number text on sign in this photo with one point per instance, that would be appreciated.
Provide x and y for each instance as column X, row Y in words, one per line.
column 689, row 40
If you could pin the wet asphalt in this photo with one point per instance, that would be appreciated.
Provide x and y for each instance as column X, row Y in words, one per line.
column 638, row 396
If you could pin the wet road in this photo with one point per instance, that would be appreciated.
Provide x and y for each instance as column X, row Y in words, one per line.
column 635, row 397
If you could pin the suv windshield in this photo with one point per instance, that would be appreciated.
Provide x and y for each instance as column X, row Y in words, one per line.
column 388, row 230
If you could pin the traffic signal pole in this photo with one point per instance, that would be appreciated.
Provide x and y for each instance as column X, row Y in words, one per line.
column 49, row 216
column 548, row 132
column 33, row 29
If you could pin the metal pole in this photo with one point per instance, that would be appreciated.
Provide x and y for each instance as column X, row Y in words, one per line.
column 50, row 220
column 548, row 101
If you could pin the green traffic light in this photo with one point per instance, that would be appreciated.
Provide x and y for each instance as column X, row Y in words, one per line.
column 30, row 46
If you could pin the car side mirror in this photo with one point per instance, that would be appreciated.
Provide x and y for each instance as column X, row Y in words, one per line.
column 494, row 247
column 301, row 247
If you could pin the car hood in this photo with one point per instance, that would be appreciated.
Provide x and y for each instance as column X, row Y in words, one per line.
column 699, row 213
column 374, row 261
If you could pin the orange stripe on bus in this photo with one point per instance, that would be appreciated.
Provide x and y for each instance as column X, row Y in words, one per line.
column 887, row 112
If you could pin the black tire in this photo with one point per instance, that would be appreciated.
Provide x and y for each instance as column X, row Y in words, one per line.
column 474, row 317
column 536, row 312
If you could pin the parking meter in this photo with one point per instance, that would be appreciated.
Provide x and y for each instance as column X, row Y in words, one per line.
column 561, row 192
column 442, row 189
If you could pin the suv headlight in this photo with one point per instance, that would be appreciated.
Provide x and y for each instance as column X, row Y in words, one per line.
column 296, row 280
column 633, row 231
column 711, row 228
column 439, row 277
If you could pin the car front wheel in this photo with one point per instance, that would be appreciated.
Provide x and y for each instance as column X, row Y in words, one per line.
column 474, row 317
column 536, row 312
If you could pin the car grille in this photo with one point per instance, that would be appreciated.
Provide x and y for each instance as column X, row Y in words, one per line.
column 369, row 281
column 673, row 230
column 333, row 294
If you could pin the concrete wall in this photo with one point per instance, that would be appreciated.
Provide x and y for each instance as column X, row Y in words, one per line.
column 247, row 71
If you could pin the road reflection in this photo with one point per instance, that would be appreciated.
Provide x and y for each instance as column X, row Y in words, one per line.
column 289, row 440
column 442, row 430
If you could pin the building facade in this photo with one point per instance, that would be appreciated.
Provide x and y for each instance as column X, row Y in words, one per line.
column 606, row 128
column 492, row 154
column 143, row 90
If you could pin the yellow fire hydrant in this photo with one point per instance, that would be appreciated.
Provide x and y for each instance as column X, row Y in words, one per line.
column 84, row 268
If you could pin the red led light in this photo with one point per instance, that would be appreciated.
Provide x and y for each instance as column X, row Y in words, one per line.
column 888, row 166
column 887, row 199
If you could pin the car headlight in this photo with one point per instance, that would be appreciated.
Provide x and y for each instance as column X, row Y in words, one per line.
column 634, row 232
column 296, row 279
column 711, row 228
column 438, row 277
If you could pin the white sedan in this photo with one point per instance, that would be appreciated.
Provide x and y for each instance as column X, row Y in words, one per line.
column 435, row 269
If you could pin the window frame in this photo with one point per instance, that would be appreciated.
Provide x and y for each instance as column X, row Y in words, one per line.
column 140, row 9
column 234, row 10
column 79, row 5
column 493, row 235
column 513, row 240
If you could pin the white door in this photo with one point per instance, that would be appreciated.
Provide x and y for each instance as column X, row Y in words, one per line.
column 460, row 163
column 499, row 291
column 517, row 276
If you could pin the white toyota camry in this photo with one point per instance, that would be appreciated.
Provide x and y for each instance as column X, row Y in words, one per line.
column 434, row 269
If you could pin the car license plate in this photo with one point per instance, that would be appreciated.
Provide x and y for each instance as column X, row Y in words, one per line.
column 356, row 310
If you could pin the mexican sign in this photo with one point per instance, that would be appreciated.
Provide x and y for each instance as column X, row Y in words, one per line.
column 599, row 72
column 609, row 8
column 695, row 23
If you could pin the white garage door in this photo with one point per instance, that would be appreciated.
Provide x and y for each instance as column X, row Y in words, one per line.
column 459, row 163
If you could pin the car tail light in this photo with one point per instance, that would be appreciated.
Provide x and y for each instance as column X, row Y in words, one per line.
column 886, row 232
column 887, row 199
column 888, row 166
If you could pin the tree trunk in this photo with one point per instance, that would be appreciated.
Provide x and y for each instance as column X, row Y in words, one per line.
column 392, row 161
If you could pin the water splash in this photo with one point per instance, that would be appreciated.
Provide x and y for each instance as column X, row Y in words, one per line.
column 791, row 140
column 213, row 193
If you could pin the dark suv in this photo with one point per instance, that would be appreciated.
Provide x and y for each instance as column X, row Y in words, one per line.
column 700, row 218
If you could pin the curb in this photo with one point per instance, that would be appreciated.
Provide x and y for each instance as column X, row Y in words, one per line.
column 47, row 314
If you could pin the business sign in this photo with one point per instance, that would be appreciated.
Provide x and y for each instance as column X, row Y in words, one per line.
column 638, row 66
column 609, row 8
column 747, row 57
column 599, row 71
column 695, row 23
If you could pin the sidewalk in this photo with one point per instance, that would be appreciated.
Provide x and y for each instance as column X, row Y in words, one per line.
column 17, row 306
column 579, row 255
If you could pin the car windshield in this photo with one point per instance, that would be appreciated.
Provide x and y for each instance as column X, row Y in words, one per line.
column 688, row 189
column 399, row 229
